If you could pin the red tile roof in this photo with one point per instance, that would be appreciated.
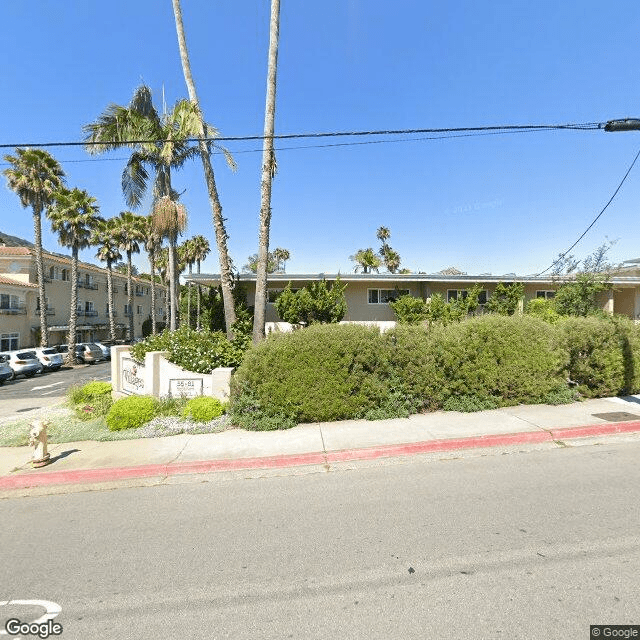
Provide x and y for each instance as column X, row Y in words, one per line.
column 14, row 251
column 5, row 280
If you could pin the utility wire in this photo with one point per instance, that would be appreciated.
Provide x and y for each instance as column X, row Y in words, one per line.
column 562, row 255
column 331, row 134
column 335, row 144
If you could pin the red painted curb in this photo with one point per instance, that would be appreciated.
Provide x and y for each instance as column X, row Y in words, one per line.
column 84, row 476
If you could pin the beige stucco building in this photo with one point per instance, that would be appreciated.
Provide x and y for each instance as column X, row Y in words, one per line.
column 367, row 295
column 19, row 303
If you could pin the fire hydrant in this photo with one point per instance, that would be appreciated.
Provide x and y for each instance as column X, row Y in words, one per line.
column 38, row 439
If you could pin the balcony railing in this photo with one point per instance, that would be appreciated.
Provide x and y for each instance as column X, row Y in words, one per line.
column 90, row 312
column 139, row 293
column 21, row 310
column 128, row 314
column 50, row 311
column 87, row 285
column 115, row 313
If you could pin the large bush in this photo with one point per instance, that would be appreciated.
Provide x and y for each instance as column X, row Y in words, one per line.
column 198, row 351
column 130, row 412
column 603, row 353
column 203, row 409
column 315, row 303
column 326, row 372
column 483, row 362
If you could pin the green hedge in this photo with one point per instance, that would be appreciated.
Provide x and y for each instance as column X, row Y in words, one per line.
column 203, row 409
column 603, row 355
column 130, row 412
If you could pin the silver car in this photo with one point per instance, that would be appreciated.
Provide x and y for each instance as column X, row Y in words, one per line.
column 88, row 353
column 24, row 362
column 6, row 372
column 49, row 358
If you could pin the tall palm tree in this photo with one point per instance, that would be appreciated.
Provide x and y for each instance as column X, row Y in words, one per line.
column 281, row 256
column 74, row 217
column 189, row 256
column 169, row 219
column 226, row 271
column 129, row 232
column 35, row 175
column 109, row 252
column 268, row 171
column 152, row 243
column 162, row 264
column 201, row 250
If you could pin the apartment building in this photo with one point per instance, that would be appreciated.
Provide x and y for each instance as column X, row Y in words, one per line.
column 20, row 308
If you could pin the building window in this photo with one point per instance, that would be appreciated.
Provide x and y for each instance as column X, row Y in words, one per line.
column 139, row 310
column 54, row 273
column 384, row 296
column 9, row 341
column 546, row 295
column 46, row 303
column 66, row 275
column 127, row 310
column 454, row 294
column 8, row 301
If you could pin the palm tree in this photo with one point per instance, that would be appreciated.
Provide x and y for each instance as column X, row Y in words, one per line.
column 34, row 176
column 188, row 255
column 74, row 217
column 152, row 243
column 108, row 251
column 367, row 259
column 162, row 264
column 169, row 219
column 390, row 257
column 226, row 272
column 281, row 256
column 383, row 234
column 268, row 171
column 201, row 250
column 129, row 232
column 168, row 144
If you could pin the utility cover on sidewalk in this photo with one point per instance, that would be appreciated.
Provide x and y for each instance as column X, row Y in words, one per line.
column 617, row 416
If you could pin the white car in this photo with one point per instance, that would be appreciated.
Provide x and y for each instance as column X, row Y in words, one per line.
column 106, row 349
column 6, row 372
column 24, row 362
column 49, row 358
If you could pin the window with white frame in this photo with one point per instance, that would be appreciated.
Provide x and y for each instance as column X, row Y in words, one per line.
column 66, row 274
column 384, row 296
column 139, row 309
column 546, row 294
column 54, row 273
column 9, row 341
column 454, row 294
column 127, row 310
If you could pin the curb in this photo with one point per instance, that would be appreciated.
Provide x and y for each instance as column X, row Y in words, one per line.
column 83, row 476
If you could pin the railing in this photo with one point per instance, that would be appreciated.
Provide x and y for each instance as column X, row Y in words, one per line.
column 115, row 314
column 20, row 310
column 80, row 312
column 50, row 311
column 90, row 312
column 140, row 293
column 128, row 314
column 87, row 285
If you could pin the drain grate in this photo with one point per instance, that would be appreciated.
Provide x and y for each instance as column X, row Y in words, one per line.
column 617, row 416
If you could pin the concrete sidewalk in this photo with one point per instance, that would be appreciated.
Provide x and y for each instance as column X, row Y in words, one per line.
column 319, row 444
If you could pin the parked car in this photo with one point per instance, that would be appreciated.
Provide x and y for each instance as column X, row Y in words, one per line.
column 88, row 352
column 6, row 372
column 106, row 349
column 23, row 362
column 62, row 348
column 49, row 358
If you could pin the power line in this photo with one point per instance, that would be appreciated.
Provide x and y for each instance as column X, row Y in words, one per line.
column 335, row 144
column 562, row 255
column 584, row 126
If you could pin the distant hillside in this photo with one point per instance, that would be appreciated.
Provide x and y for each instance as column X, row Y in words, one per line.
column 14, row 241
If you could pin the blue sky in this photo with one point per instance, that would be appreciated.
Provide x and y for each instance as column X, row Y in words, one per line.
column 500, row 203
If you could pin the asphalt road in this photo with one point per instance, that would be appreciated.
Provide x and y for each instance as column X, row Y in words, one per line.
column 21, row 395
column 530, row 545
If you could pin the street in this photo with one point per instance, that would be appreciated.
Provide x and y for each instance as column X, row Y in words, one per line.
column 537, row 544
column 21, row 395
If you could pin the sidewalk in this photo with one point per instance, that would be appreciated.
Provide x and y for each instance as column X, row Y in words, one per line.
column 320, row 444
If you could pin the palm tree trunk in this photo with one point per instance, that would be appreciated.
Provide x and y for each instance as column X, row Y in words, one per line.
column 199, row 293
column 37, row 233
column 189, row 296
column 152, row 264
column 73, row 311
column 172, row 284
column 130, row 295
column 112, row 321
column 226, row 276
column 268, row 166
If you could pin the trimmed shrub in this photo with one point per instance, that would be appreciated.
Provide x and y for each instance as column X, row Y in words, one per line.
column 130, row 412
column 409, row 309
column 91, row 400
column 604, row 355
column 326, row 372
column 203, row 409
column 197, row 351
column 487, row 361
column 543, row 309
